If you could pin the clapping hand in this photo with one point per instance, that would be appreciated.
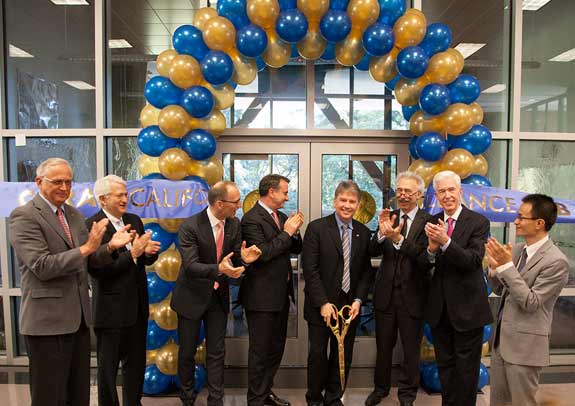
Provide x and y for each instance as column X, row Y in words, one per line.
column 226, row 267
column 497, row 253
column 250, row 254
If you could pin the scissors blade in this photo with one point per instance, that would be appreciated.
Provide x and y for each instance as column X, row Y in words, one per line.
column 341, row 353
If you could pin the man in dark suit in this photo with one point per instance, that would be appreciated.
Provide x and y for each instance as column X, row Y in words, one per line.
column 337, row 271
column 267, row 285
column 120, row 298
column 212, row 251
column 400, row 289
column 53, row 247
column 457, row 306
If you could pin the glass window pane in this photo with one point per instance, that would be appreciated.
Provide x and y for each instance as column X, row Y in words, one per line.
column 20, row 343
column 49, row 45
column 498, row 159
column 548, row 74
column 122, row 157
column 487, row 24
column 2, row 332
column 562, row 337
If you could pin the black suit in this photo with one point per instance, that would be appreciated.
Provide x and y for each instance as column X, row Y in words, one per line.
column 399, row 297
column 120, row 314
column 264, row 295
column 457, row 308
column 195, row 299
column 322, row 263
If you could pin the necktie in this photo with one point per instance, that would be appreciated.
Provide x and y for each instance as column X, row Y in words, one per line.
column 522, row 260
column 119, row 224
column 405, row 217
column 219, row 247
column 276, row 219
column 450, row 226
column 60, row 214
column 345, row 281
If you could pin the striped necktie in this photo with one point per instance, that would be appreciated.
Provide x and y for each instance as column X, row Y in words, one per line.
column 60, row 214
column 345, row 282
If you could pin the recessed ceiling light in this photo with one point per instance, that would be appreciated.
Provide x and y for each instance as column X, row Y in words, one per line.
column 498, row 88
column 119, row 43
column 16, row 52
column 534, row 5
column 79, row 84
column 468, row 48
column 566, row 56
column 70, row 2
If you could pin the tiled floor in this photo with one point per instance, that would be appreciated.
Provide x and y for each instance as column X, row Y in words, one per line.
column 549, row 395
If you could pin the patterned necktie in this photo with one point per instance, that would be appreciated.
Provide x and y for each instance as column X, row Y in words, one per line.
column 276, row 219
column 405, row 217
column 60, row 214
column 219, row 246
column 522, row 260
column 345, row 281
column 450, row 226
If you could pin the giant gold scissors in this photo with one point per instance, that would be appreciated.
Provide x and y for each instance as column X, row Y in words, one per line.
column 339, row 330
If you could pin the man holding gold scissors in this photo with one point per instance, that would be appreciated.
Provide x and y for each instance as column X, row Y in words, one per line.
column 336, row 268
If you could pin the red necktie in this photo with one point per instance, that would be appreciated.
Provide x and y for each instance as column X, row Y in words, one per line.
column 60, row 214
column 276, row 219
column 449, row 226
column 219, row 247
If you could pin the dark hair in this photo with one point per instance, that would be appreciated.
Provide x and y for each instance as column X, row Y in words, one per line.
column 347, row 186
column 270, row 182
column 542, row 207
column 219, row 191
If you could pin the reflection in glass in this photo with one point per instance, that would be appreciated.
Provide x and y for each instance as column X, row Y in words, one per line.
column 563, row 327
column 121, row 157
column 498, row 158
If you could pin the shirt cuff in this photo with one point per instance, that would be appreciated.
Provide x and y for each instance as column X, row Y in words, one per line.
column 504, row 267
column 397, row 245
column 380, row 236
column 431, row 256
column 357, row 300
column 446, row 245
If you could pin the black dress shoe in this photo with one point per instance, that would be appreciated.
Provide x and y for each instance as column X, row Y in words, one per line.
column 273, row 400
column 375, row 397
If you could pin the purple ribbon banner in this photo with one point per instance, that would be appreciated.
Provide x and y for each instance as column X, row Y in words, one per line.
column 498, row 205
column 154, row 198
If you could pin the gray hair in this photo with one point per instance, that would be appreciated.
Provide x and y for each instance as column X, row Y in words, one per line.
column 347, row 186
column 413, row 176
column 103, row 186
column 49, row 163
column 219, row 191
column 444, row 175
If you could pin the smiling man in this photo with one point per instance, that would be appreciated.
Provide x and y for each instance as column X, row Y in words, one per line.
column 337, row 270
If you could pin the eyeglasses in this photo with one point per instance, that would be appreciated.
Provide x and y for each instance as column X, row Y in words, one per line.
column 230, row 201
column 59, row 182
column 519, row 217
column 405, row 192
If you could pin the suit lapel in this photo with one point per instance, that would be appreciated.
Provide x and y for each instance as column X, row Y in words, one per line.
column 206, row 233
column 354, row 240
column 459, row 224
column 268, row 217
column 335, row 235
column 51, row 218
column 416, row 226
column 538, row 256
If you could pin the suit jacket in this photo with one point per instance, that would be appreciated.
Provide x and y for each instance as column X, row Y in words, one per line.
column 322, row 263
column 268, row 281
column 529, row 299
column 54, row 278
column 457, row 280
column 120, row 289
column 195, row 284
column 412, row 267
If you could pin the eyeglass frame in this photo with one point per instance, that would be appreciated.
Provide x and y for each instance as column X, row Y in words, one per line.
column 59, row 182
column 230, row 201
column 399, row 192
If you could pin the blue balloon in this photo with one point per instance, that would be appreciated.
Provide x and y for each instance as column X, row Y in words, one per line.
column 217, row 67
column 434, row 99
column 160, row 92
column 200, row 376
column 451, row 141
column 329, row 53
column 235, row 11
column 152, row 141
column 197, row 101
column 201, row 333
column 391, row 84
column 159, row 234
column 412, row 62
column 487, row 286
column 188, row 40
column 202, row 181
column 155, row 382
column 390, row 11
column 261, row 64
column 294, row 51
column 483, row 377
column 158, row 288
column 487, row 332
column 156, row 336
column 477, row 140
column 477, row 180
column 291, row 25
column 199, row 144
column 251, row 41
column 378, row 39
column 154, row 175
column 431, row 146
column 408, row 111
column 464, row 89
column 174, row 336
column 427, row 333
column 340, row 5
column 287, row 4
column 430, row 378
column 335, row 25
column 412, row 149
column 363, row 64
column 437, row 39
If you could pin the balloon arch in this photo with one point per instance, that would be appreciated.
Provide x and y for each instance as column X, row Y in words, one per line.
column 228, row 46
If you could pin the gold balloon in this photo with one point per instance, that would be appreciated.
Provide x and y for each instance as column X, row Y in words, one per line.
column 151, row 357
column 363, row 13
column 170, row 225
column 312, row 46
column 164, row 316
column 174, row 163
column 480, row 165
column 407, row 91
column 444, row 67
column 200, row 357
column 174, row 121
column 164, row 61
column 485, row 349
column 211, row 170
column 202, row 16
column 148, row 164
column 477, row 111
column 224, row 96
column 409, row 29
column 366, row 209
column 245, row 70
column 350, row 51
column 263, row 12
column 219, row 34
column 149, row 115
column 250, row 200
column 427, row 352
column 458, row 118
column 168, row 264
column 167, row 359
column 420, row 124
column 277, row 52
column 185, row 71
column 215, row 123
column 382, row 68
column 459, row 161
column 427, row 170
column 313, row 10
